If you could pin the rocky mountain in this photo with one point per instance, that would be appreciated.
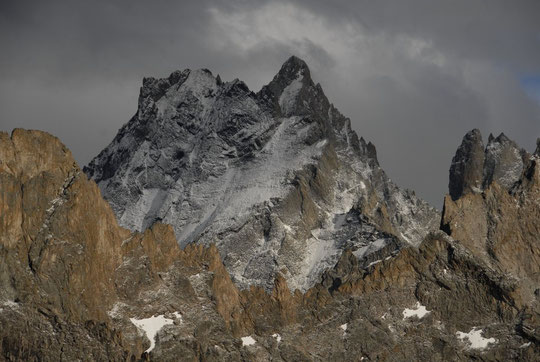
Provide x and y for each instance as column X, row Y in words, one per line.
column 474, row 168
column 74, row 285
column 276, row 179
column 498, row 218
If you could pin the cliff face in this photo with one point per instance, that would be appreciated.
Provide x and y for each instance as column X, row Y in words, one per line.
column 276, row 179
column 54, row 220
column 499, row 222
column 67, row 267
column 74, row 285
column 475, row 167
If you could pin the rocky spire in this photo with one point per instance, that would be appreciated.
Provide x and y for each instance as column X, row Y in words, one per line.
column 292, row 68
column 503, row 162
column 467, row 165
column 537, row 152
column 292, row 90
column 475, row 168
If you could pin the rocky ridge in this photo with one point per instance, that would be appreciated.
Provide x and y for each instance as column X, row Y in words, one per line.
column 276, row 179
column 499, row 221
column 76, row 286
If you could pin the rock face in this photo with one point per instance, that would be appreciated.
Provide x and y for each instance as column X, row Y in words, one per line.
column 277, row 179
column 475, row 168
column 500, row 224
column 76, row 286
column 60, row 249
column 467, row 165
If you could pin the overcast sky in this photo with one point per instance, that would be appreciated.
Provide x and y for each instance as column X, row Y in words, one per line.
column 413, row 76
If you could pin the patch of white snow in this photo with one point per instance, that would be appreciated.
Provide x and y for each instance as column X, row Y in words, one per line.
column 420, row 311
column 476, row 341
column 248, row 341
column 10, row 304
column 288, row 96
column 151, row 326
column 374, row 262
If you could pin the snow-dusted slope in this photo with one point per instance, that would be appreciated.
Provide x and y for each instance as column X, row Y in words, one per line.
column 277, row 179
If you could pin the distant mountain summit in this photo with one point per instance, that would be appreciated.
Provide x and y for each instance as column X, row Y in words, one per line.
column 277, row 179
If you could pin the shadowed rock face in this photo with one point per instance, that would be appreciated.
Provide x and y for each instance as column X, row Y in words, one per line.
column 73, row 285
column 474, row 168
column 277, row 179
column 467, row 165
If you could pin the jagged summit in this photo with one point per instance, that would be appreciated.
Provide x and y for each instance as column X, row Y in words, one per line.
column 498, row 221
column 292, row 69
column 474, row 167
column 504, row 162
column 292, row 91
column 278, row 179
column 467, row 164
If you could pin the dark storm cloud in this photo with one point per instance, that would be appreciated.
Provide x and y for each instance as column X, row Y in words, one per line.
column 413, row 76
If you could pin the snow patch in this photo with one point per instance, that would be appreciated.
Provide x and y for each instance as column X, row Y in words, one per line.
column 322, row 143
column 248, row 341
column 370, row 248
column 319, row 255
column 476, row 341
column 287, row 99
column 10, row 304
column 344, row 327
column 374, row 262
column 151, row 326
column 277, row 337
column 420, row 311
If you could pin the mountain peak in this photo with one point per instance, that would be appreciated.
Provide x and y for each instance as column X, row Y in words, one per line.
column 293, row 67
column 502, row 138
column 466, row 168
column 474, row 134
column 220, row 162
column 474, row 167
column 292, row 90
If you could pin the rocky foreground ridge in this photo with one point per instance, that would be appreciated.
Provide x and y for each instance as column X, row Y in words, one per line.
column 74, row 285
column 277, row 179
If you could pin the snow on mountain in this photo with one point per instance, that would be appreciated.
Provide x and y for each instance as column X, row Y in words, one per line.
column 276, row 179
